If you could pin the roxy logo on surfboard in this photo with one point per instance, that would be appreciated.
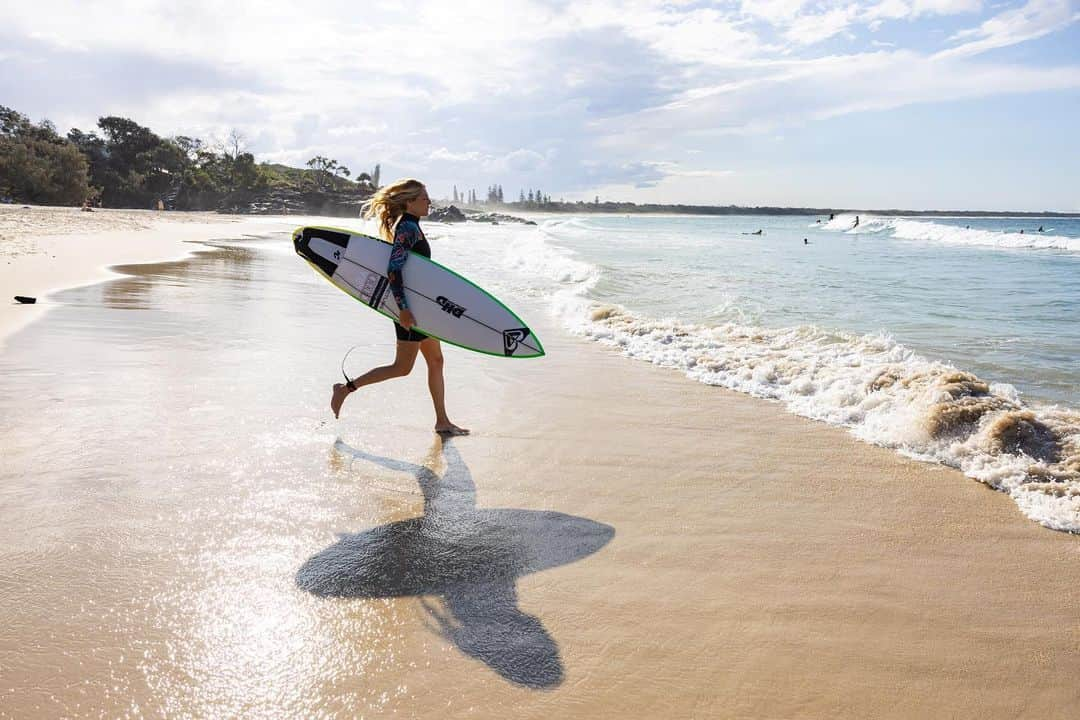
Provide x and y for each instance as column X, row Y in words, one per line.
column 450, row 306
column 513, row 338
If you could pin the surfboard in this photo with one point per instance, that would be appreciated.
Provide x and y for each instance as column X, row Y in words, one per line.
column 445, row 304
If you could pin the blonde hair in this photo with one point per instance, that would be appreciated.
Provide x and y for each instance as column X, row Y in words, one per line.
column 388, row 203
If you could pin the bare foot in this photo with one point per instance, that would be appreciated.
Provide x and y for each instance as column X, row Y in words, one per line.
column 341, row 391
column 451, row 430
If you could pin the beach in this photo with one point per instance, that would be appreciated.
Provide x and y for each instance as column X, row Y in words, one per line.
column 186, row 531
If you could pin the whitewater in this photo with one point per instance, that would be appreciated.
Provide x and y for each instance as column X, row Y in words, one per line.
column 950, row 340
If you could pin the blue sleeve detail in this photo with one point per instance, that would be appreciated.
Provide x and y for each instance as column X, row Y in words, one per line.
column 405, row 236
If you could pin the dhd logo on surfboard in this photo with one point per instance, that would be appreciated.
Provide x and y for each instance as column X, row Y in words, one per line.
column 450, row 306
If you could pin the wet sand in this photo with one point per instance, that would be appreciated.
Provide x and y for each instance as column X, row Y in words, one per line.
column 185, row 531
column 44, row 249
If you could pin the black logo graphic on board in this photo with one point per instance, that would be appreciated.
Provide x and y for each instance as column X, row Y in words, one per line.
column 337, row 254
column 450, row 306
column 513, row 338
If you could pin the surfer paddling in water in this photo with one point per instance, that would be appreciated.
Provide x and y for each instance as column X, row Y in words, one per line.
column 398, row 208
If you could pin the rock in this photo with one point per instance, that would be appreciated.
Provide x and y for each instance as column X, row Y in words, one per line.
column 448, row 214
column 25, row 300
column 495, row 218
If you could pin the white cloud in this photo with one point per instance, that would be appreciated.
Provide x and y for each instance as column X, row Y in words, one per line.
column 945, row 7
column 773, row 11
column 357, row 129
column 525, row 92
column 797, row 92
column 1034, row 20
column 809, row 29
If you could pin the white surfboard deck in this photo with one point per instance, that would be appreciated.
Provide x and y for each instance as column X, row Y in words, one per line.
column 445, row 305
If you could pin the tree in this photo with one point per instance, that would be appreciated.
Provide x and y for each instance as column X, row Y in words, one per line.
column 324, row 168
column 37, row 165
column 521, row 197
column 375, row 176
column 139, row 167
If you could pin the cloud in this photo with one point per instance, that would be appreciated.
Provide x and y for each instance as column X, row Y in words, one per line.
column 571, row 96
column 798, row 92
column 83, row 85
column 1034, row 20
column 809, row 29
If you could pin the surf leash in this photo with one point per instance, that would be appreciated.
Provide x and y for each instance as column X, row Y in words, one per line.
column 348, row 382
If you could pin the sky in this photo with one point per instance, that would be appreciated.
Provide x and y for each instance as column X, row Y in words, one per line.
column 915, row 104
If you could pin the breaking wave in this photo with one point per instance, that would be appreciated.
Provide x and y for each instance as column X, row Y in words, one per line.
column 884, row 392
column 949, row 234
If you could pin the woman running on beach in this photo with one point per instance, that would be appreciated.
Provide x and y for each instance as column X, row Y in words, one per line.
column 398, row 208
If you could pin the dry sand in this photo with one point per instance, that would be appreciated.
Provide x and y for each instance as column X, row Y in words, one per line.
column 763, row 565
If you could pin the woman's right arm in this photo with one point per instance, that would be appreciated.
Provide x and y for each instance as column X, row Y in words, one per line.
column 405, row 236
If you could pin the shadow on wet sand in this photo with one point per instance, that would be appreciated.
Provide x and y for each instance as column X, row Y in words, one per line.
column 468, row 557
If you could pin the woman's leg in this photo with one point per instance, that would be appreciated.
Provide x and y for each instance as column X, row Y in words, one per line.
column 433, row 356
column 402, row 366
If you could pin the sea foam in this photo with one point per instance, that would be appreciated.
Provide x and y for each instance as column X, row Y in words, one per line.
column 882, row 391
column 948, row 234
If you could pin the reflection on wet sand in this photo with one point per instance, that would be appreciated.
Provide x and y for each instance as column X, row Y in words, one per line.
column 470, row 558
column 131, row 292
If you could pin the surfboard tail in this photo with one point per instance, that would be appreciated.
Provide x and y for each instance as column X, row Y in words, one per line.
column 302, row 244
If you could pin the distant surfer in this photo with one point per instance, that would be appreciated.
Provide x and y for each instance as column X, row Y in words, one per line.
column 832, row 215
column 756, row 232
column 1040, row 228
column 805, row 241
column 856, row 223
column 398, row 208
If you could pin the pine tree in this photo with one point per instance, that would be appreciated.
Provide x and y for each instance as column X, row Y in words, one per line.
column 530, row 196
column 521, row 197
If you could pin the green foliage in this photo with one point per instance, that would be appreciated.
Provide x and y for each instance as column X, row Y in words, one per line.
column 37, row 165
column 128, row 165
column 325, row 171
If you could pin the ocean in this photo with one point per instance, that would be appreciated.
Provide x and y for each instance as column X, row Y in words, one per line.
column 952, row 340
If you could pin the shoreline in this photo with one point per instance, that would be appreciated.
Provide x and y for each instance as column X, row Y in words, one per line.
column 77, row 249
